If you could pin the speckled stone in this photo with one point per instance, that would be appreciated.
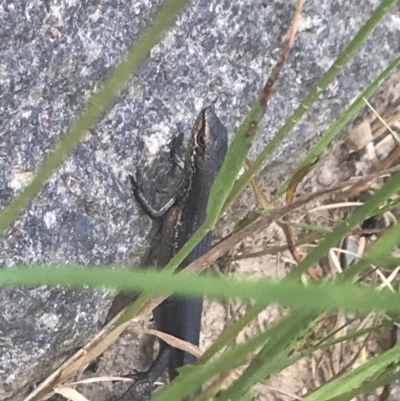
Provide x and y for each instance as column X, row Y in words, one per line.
column 55, row 54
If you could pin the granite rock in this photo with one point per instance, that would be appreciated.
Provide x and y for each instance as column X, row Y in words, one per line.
column 54, row 56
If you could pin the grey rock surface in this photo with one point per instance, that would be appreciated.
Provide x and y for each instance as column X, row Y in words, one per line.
column 56, row 53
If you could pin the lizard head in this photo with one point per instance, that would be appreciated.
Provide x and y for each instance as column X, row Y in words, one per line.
column 208, row 147
column 209, row 141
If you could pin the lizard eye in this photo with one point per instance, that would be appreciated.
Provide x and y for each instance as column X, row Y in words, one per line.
column 200, row 140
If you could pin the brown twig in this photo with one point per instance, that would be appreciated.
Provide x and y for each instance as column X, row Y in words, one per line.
column 261, row 222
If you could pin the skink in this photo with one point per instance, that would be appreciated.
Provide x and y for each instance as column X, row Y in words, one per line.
column 182, row 216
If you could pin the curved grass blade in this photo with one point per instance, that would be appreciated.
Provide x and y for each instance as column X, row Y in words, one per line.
column 351, row 380
column 330, row 134
column 97, row 105
column 313, row 95
column 357, row 217
column 276, row 349
column 331, row 239
column 254, row 373
column 274, row 357
column 382, row 252
column 384, row 379
column 235, row 157
column 193, row 377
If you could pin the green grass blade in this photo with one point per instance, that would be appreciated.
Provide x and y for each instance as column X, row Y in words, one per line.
column 384, row 251
column 357, row 217
column 193, row 377
column 343, row 120
column 278, row 336
column 236, row 155
column 281, row 337
column 230, row 333
column 169, row 268
column 354, row 334
column 381, row 381
column 274, row 356
column 356, row 377
column 312, row 297
column 97, row 105
column 337, row 234
column 233, row 163
column 313, row 95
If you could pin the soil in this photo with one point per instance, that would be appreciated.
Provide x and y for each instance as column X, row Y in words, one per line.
column 366, row 142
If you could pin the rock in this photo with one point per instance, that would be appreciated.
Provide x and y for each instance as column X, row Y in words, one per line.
column 55, row 55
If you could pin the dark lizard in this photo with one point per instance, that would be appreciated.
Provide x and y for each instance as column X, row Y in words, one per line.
column 182, row 216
